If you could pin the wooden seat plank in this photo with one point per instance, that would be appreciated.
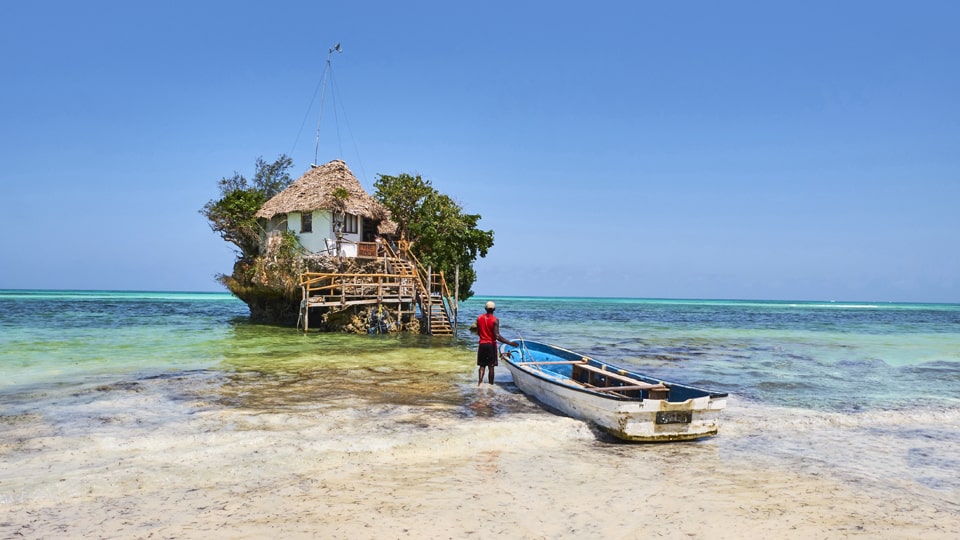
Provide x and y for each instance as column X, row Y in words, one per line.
column 554, row 362
column 615, row 375
column 645, row 386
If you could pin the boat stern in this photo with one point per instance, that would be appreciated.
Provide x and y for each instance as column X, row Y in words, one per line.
column 654, row 420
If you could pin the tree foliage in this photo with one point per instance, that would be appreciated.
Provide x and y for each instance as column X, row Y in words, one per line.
column 233, row 215
column 403, row 195
column 272, row 178
column 442, row 235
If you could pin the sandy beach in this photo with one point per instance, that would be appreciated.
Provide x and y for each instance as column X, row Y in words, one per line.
column 390, row 473
column 199, row 427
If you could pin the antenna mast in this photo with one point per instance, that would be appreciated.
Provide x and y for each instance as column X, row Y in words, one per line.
column 323, row 91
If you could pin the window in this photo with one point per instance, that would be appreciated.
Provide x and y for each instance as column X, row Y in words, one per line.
column 306, row 222
column 351, row 224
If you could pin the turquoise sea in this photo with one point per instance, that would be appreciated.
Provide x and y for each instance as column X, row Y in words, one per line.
column 865, row 392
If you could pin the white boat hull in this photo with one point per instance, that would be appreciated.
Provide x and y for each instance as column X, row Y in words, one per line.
column 640, row 420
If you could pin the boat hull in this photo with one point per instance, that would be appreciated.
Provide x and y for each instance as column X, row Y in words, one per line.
column 541, row 372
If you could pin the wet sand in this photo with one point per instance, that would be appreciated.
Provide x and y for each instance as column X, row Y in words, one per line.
column 357, row 470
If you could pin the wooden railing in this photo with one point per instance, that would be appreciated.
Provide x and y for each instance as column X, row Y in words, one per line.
column 408, row 264
column 350, row 289
column 405, row 284
column 438, row 284
column 435, row 299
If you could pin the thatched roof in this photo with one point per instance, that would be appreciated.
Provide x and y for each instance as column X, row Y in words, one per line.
column 314, row 191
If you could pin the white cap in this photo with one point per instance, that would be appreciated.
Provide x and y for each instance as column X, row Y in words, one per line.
column 490, row 305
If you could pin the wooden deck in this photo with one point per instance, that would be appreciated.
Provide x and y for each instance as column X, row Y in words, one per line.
column 355, row 289
column 401, row 291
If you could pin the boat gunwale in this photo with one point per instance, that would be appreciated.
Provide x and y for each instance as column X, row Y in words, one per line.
column 603, row 394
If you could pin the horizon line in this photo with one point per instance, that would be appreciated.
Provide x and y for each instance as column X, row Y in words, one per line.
column 515, row 296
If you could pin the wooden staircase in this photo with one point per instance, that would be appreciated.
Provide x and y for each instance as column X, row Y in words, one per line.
column 438, row 321
column 432, row 295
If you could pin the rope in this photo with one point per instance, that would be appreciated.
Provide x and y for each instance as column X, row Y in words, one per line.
column 335, row 91
column 523, row 345
column 323, row 92
column 306, row 115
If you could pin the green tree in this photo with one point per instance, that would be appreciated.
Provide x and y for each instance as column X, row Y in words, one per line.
column 233, row 215
column 442, row 235
column 403, row 195
column 272, row 178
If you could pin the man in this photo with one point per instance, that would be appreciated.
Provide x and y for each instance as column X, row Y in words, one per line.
column 489, row 329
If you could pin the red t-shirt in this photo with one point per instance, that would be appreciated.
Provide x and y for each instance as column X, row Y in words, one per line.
column 485, row 327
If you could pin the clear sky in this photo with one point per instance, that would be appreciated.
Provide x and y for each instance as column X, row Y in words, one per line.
column 694, row 149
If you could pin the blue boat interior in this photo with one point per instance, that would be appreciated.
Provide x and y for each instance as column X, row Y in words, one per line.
column 562, row 365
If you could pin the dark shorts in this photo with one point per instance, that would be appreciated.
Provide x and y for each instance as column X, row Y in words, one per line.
column 487, row 354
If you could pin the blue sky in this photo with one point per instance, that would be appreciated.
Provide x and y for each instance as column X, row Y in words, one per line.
column 760, row 150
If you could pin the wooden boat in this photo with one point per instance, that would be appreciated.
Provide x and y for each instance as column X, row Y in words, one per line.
column 625, row 404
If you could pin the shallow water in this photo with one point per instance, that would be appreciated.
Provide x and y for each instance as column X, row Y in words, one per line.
column 141, row 403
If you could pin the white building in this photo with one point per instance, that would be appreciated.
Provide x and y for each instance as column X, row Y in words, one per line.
column 310, row 207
